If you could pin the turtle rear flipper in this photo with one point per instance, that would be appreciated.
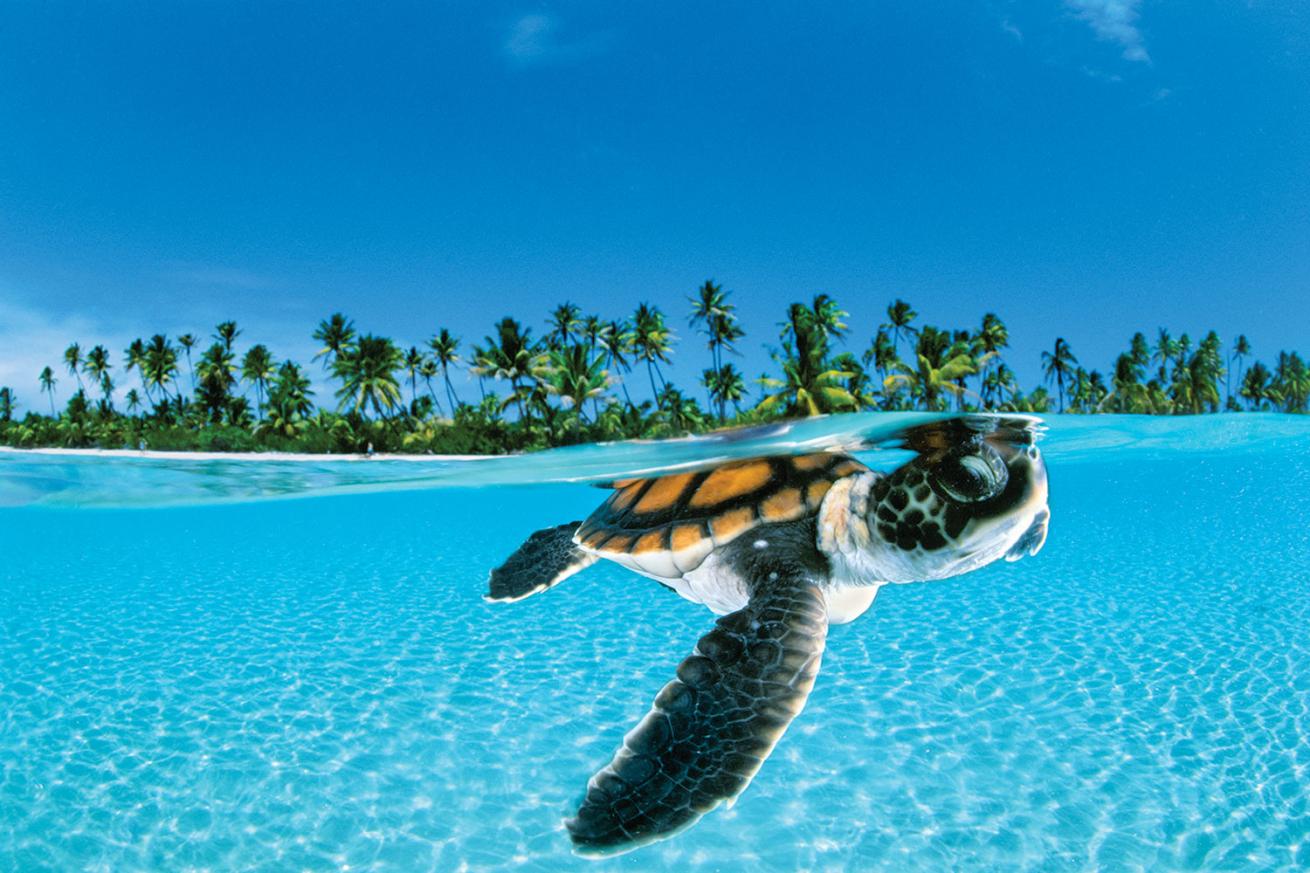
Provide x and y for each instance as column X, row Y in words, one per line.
column 712, row 727
column 545, row 560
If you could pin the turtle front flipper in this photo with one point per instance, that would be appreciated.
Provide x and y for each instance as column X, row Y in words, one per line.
column 545, row 560
column 712, row 727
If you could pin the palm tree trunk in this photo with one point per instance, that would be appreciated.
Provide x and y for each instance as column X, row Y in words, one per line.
column 623, row 383
column 435, row 402
column 518, row 396
column 450, row 390
column 1228, row 383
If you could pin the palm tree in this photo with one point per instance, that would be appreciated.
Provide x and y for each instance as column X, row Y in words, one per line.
column 188, row 341
column 159, row 364
column 709, row 302
column 652, row 341
column 1241, row 348
column 1166, row 349
column 591, row 330
column 106, row 405
column 216, row 371
column 336, row 333
column 940, row 368
column 289, row 405
column 1140, row 352
column 726, row 385
column 716, row 317
column 1127, row 394
column 991, row 338
column 97, row 367
column 512, row 356
column 963, row 344
column 133, row 400
column 811, row 384
column 827, row 316
column 563, row 323
column 882, row 355
column 1203, row 370
column 445, row 349
column 7, row 404
column 73, row 361
column 481, row 366
column 1292, row 381
column 1058, row 364
column 428, row 371
column 1182, row 350
column 575, row 376
column 48, row 382
column 1258, row 388
column 617, row 339
column 257, row 368
column 135, row 355
column 413, row 363
column 680, row 413
column 367, row 370
column 714, row 314
column 899, row 316
column 227, row 333
column 857, row 382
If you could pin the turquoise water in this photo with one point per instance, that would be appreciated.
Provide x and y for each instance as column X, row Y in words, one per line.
column 193, row 679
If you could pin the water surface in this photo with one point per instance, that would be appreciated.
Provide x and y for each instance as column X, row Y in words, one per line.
column 220, row 682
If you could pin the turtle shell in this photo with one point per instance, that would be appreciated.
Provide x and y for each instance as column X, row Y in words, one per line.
column 667, row 525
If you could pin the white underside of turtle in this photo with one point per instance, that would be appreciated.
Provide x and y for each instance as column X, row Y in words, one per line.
column 716, row 585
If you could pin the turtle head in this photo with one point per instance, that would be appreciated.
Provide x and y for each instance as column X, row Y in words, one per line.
column 959, row 508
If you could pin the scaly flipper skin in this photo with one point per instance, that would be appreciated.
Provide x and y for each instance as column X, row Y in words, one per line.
column 545, row 560
column 712, row 727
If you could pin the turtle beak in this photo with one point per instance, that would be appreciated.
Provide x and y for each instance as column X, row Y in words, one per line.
column 1032, row 540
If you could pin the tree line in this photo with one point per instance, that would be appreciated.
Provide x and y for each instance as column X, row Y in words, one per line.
column 582, row 379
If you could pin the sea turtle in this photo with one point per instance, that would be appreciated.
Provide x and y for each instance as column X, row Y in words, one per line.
column 781, row 547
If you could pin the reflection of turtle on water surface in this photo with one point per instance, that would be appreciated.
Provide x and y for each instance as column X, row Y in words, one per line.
column 781, row 547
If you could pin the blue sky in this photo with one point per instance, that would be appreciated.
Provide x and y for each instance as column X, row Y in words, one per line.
column 1084, row 168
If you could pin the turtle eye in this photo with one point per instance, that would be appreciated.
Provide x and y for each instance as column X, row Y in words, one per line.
column 969, row 478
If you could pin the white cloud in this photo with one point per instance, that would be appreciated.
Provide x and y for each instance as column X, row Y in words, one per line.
column 31, row 340
column 535, row 39
column 1114, row 21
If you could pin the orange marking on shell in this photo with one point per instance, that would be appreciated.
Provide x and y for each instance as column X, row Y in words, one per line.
column 783, row 506
column 594, row 540
column 815, row 492
column 686, row 536
column 807, row 463
column 652, row 541
column 730, row 482
column 619, row 542
column 623, row 483
column 730, row 524
column 664, row 492
column 623, row 498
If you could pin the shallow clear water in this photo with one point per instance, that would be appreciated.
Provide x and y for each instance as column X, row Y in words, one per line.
column 317, row 683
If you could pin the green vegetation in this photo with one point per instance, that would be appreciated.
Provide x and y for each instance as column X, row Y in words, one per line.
column 576, row 383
